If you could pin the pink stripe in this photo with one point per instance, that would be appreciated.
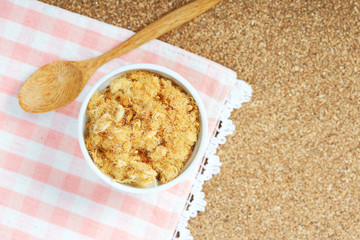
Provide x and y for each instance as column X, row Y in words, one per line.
column 17, row 234
column 208, row 87
column 101, row 194
column 96, row 192
column 9, row 85
column 5, row 232
column 8, row 123
column 25, row 54
column 8, row 233
column 189, row 74
column 61, row 29
column 130, row 205
column 40, row 134
column 60, row 217
column 91, row 39
column 6, row 10
column 6, row 47
column 5, row 198
column 70, row 110
column 71, row 183
column 31, row 18
column 9, row 180
column 225, row 93
column 11, row 162
column 30, row 205
column 41, row 172
column 163, row 219
column 2, row 26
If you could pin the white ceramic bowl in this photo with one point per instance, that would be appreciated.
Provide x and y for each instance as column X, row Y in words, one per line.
column 199, row 148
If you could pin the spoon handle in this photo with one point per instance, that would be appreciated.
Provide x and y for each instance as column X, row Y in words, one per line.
column 158, row 28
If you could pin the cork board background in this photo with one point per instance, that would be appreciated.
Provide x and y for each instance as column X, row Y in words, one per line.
column 291, row 170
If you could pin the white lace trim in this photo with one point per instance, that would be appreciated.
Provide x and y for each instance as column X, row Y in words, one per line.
column 211, row 165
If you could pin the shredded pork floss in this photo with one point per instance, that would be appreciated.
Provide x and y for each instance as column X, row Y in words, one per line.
column 141, row 128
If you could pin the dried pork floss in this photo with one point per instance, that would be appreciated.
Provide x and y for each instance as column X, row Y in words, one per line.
column 141, row 128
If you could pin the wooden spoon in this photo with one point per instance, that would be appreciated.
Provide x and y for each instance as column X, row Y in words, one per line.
column 59, row 83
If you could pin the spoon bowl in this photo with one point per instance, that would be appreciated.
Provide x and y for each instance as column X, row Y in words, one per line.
column 51, row 87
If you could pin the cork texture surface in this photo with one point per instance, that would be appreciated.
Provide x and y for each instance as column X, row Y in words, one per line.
column 291, row 170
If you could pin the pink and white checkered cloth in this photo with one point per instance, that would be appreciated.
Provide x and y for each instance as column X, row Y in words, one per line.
column 46, row 189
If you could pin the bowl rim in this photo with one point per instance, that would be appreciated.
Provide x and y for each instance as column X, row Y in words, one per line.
column 203, row 137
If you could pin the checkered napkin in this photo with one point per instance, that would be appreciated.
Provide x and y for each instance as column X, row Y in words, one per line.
column 46, row 189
